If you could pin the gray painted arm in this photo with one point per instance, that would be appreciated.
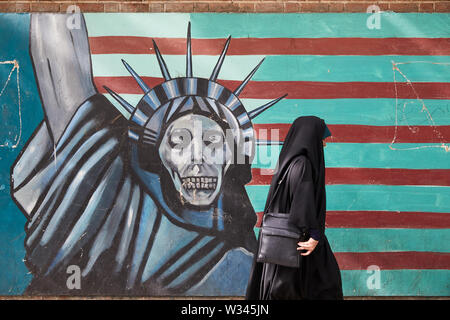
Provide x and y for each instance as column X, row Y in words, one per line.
column 62, row 65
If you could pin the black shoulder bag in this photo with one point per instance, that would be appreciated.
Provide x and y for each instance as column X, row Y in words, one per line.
column 278, row 237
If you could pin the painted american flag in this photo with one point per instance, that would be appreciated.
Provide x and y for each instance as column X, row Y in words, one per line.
column 384, row 94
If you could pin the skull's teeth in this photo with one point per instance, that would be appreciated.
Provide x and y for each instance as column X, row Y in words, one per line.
column 208, row 183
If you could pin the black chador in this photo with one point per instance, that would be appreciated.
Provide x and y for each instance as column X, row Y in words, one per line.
column 302, row 196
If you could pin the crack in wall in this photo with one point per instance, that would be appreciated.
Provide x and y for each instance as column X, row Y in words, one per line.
column 414, row 129
column 16, row 68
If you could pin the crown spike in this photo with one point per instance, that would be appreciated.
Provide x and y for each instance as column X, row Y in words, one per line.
column 128, row 107
column 241, row 87
column 162, row 64
column 136, row 77
column 219, row 63
column 189, row 53
column 255, row 112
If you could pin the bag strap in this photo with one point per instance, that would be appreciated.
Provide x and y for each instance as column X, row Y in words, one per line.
column 278, row 185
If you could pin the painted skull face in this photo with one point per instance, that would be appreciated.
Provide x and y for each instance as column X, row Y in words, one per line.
column 195, row 153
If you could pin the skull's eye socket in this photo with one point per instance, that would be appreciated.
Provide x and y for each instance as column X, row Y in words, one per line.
column 212, row 137
column 179, row 138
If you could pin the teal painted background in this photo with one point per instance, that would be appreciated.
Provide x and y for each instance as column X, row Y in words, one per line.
column 14, row 29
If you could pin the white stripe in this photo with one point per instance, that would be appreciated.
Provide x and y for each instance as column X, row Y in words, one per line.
column 168, row 25
column 146, row 65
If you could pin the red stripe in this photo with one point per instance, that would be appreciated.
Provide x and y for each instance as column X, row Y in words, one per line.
column 345, row 133
column 387, row 219
column 383, row 219
column 275, row 46
column 393, row 260
column 386, row 176
column 379, row 176
column 303, row 89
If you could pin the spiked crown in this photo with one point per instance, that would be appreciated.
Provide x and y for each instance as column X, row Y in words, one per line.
column 178, row 96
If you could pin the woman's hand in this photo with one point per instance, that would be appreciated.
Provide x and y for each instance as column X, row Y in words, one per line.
column 309, row 246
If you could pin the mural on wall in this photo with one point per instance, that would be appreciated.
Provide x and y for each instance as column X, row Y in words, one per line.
column 147, row 201
column 136, row 150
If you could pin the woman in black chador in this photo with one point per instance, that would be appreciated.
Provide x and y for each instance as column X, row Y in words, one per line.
column 302, row 196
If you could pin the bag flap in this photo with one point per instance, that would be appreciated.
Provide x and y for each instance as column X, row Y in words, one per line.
column 280, row 232
column 278, row 220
